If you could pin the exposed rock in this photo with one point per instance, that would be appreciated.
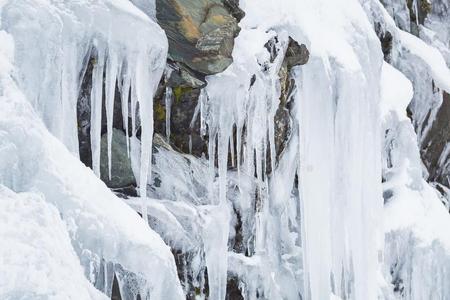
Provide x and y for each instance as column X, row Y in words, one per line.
column 385, row 38
column 201, row 33
column 184, row 103
column 233, row 7
column 121, row 171
column 296, row 54
column 417, row 16
column 184, row 77
column 84, row 116
column 423, row 9
column 233, row 291
column 433, row 152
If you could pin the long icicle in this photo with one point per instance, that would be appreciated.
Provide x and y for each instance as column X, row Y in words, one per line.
column 110, row 89
column 96, row 109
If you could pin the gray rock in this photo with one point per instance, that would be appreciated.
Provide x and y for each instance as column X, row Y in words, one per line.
column 233, row 7
column 434, row 144
column 201, row 33
column 121, row 172
column 296, row 54
column 182, row 76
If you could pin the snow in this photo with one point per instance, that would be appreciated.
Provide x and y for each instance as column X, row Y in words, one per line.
column 431, row 56
column 396, row 92
column 30, row 227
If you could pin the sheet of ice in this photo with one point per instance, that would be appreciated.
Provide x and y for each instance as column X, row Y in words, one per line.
column 37, row 259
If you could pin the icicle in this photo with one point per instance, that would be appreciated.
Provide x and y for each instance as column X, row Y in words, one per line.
column 133, row 106
column 211, row 162
column 168, row 104
column 192, row 124
column 145, row 98
column 233, row 162
column 238, row 149
column 96, row 109
column 415, row 8
column 202, row 99
column 125, row 94
column 316, row 161
column 271, row 137
column 69, row 91
column 112, row 67
column 195, row 115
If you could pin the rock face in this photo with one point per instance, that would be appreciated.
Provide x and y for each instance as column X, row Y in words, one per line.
column 183, row 136
column 435, row 150
column 296, row 54
column 121, row 172
column 201, row 33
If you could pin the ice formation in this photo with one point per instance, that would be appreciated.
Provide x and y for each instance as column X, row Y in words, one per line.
column 343, row 212
column 108, row 236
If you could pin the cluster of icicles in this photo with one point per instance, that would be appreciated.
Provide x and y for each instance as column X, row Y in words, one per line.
column 134, row 65
column 136, row 81
column 51, row 65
